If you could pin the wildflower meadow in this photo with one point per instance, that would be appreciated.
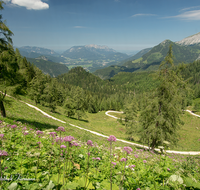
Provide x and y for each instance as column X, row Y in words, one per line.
column 34, row 159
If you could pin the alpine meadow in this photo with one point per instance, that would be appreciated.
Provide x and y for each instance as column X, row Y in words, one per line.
column 95, row 118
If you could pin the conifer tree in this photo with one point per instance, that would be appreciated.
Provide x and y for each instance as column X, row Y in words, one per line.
column 131, row 111
column 160, row 120
column 5, row 46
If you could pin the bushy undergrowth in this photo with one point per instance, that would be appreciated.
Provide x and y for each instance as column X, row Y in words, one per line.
column 34, row 159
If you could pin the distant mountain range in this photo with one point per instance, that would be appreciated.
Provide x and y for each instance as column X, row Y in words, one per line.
column 90, row 57
column 186, row 50
column 106, row 62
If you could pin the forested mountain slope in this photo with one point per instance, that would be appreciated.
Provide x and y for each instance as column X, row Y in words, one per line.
column 152, row 59
column 49, row 67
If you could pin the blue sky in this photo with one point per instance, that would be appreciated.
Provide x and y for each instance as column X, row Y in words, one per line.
column 124, row 25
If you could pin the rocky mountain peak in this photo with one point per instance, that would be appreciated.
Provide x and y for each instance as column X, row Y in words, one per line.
column 191, row 40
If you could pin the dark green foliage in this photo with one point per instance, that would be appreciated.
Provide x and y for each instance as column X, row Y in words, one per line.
column 131, row 111
column 37, row 86
column 160, row 120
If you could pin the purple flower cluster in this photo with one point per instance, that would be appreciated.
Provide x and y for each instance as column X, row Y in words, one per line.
column 53, row 134
column 123, row 160
column 1, row 135
column 68, row 138
column 61, row 129
column 112, row 138
column 136, row 156
column 89, row 143
column 39, row 132
column 131, row 166
column 13, row 126
column 62, row 146
column 114, row 164
column 97, row 158
column 59, row 139
column 75, row 144
column 3, row 153
column 128, row 149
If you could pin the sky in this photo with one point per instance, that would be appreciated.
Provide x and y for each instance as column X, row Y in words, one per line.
column 124, row 25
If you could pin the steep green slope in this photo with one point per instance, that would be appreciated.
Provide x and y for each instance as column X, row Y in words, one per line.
column 49, row 67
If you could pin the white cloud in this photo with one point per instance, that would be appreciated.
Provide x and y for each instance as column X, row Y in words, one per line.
column 30, row 4
column 188, row 15
column 137, row 15
column 189, row 8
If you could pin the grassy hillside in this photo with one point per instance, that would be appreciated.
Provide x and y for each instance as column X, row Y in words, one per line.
column 99, row 122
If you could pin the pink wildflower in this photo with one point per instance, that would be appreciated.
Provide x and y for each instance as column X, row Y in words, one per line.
column 68, row 138
column 75, row 144
column 39, row 132
column 123, row 160
column 112, row 138
column 61, row 129
column 113, row 163
column 1, row 135
column 13, row 126
column 144, row 161
column 3, row 153
column 89, row 143
column 53, row 134
column 131, row 166
column 62, row 146
column 136, row 156
column 128, row 149
column 59, row 139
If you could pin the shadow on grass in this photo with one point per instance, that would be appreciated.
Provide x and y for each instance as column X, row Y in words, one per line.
column 194, row 111
column 34, row 124
column 79, row 119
